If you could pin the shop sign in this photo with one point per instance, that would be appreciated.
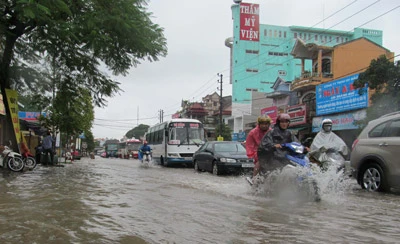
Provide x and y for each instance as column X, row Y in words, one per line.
column 339, row 96
column 249, row 22
column 341, row 121
column 272, row 112
column 297, row 114
column 31, row 116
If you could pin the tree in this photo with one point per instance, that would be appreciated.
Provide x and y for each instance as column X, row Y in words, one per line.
column 72, row 40
column 137, row 132
column 383, row 78
column 226, row 132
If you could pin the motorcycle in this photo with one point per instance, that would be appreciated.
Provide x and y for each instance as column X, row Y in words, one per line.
column 298, row 169
column 146, row 157
column 27, row 157
column 297, row 158
column 29, row 160
column 10, row 159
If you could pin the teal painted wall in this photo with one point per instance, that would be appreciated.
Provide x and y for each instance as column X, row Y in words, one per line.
column 257, row 65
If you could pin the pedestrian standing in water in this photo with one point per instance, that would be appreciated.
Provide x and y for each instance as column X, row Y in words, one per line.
column 48, row 148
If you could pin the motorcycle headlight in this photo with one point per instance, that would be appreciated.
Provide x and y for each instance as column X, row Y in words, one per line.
column 227, row 160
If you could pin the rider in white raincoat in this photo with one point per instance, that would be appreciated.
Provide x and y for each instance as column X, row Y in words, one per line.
column 327, row 147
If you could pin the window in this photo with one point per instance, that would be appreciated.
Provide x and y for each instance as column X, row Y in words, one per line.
column 252, row 70
column 309, row 101
column 252, row 51
column 326, row 65
column 378, row 130
column 394, row 129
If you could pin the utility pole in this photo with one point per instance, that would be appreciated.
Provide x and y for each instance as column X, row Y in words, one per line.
column 220, row 108
column 161, row 115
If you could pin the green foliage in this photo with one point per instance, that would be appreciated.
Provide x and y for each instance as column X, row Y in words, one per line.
column 383, row 78
column 62, row 47
column 226, row 132
column 137, row 132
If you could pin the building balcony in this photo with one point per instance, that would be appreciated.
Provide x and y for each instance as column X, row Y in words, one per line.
column 309, row 80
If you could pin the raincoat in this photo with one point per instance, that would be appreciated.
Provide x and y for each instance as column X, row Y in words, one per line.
column 253, row 141
column 271, row 157
column 328, row 147
column 142, row 149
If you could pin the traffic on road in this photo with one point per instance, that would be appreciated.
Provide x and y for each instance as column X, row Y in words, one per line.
column 111, row 200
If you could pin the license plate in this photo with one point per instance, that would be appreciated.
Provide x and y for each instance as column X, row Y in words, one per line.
column 250, row 165
column 188, row 158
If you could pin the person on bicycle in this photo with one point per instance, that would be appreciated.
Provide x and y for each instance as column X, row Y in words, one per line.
column 254, row 138
column 143, row 149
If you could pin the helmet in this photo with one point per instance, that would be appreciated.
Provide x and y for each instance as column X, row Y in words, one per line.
column 327, row 125
column 264, row 119
column 281, row 117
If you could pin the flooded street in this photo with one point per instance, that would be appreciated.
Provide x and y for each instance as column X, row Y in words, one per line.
column 118, row 201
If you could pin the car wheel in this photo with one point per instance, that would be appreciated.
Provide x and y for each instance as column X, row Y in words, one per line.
column 196, row 166
column 373, row 178
column 215, row 169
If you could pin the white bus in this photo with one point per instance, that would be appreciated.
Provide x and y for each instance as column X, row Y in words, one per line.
column 175, row 141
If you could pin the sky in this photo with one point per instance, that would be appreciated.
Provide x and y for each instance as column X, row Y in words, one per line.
column 196, row 33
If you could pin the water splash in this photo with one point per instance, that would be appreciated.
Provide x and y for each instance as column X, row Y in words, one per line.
column 302, row 184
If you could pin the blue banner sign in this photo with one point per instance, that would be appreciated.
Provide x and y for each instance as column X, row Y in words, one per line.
column 339, row 96
column 235, row 136
column 29, row 115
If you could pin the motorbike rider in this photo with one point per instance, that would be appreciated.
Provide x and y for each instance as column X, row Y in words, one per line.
column 270, row 153
column 143, row 149
column 254, row 138
column 327, row 146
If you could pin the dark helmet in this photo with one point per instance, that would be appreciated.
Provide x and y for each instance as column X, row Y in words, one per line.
column 281, row 117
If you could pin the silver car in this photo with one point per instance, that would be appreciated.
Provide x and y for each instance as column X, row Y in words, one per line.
column 375, row 157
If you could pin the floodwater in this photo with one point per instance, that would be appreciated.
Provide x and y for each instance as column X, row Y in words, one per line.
column 119, row 201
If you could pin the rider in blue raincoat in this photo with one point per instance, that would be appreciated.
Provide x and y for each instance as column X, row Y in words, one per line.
column 142, row 149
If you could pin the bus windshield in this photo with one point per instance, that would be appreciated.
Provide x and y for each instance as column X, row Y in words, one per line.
column 186, row 133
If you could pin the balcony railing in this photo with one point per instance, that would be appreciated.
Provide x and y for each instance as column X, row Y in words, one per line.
column 306, row 79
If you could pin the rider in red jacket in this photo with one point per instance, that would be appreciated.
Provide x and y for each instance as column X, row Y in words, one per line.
column 254, row 138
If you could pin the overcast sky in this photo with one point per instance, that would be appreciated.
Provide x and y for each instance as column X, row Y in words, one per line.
column 196, row 31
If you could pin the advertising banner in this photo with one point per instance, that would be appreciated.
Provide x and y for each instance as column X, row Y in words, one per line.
column 12, row 99
column 297, row 114
column 31, row 116
column 339, row 96
column 249, row 22
column 272, row 112
column 341, row 121
column 2, row 108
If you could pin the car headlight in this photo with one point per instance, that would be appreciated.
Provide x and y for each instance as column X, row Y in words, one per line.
column 227, row 160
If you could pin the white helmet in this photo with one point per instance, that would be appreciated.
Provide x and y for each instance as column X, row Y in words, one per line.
column 327, row 125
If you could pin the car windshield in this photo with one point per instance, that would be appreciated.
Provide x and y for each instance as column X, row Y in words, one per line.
column 229, row 147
